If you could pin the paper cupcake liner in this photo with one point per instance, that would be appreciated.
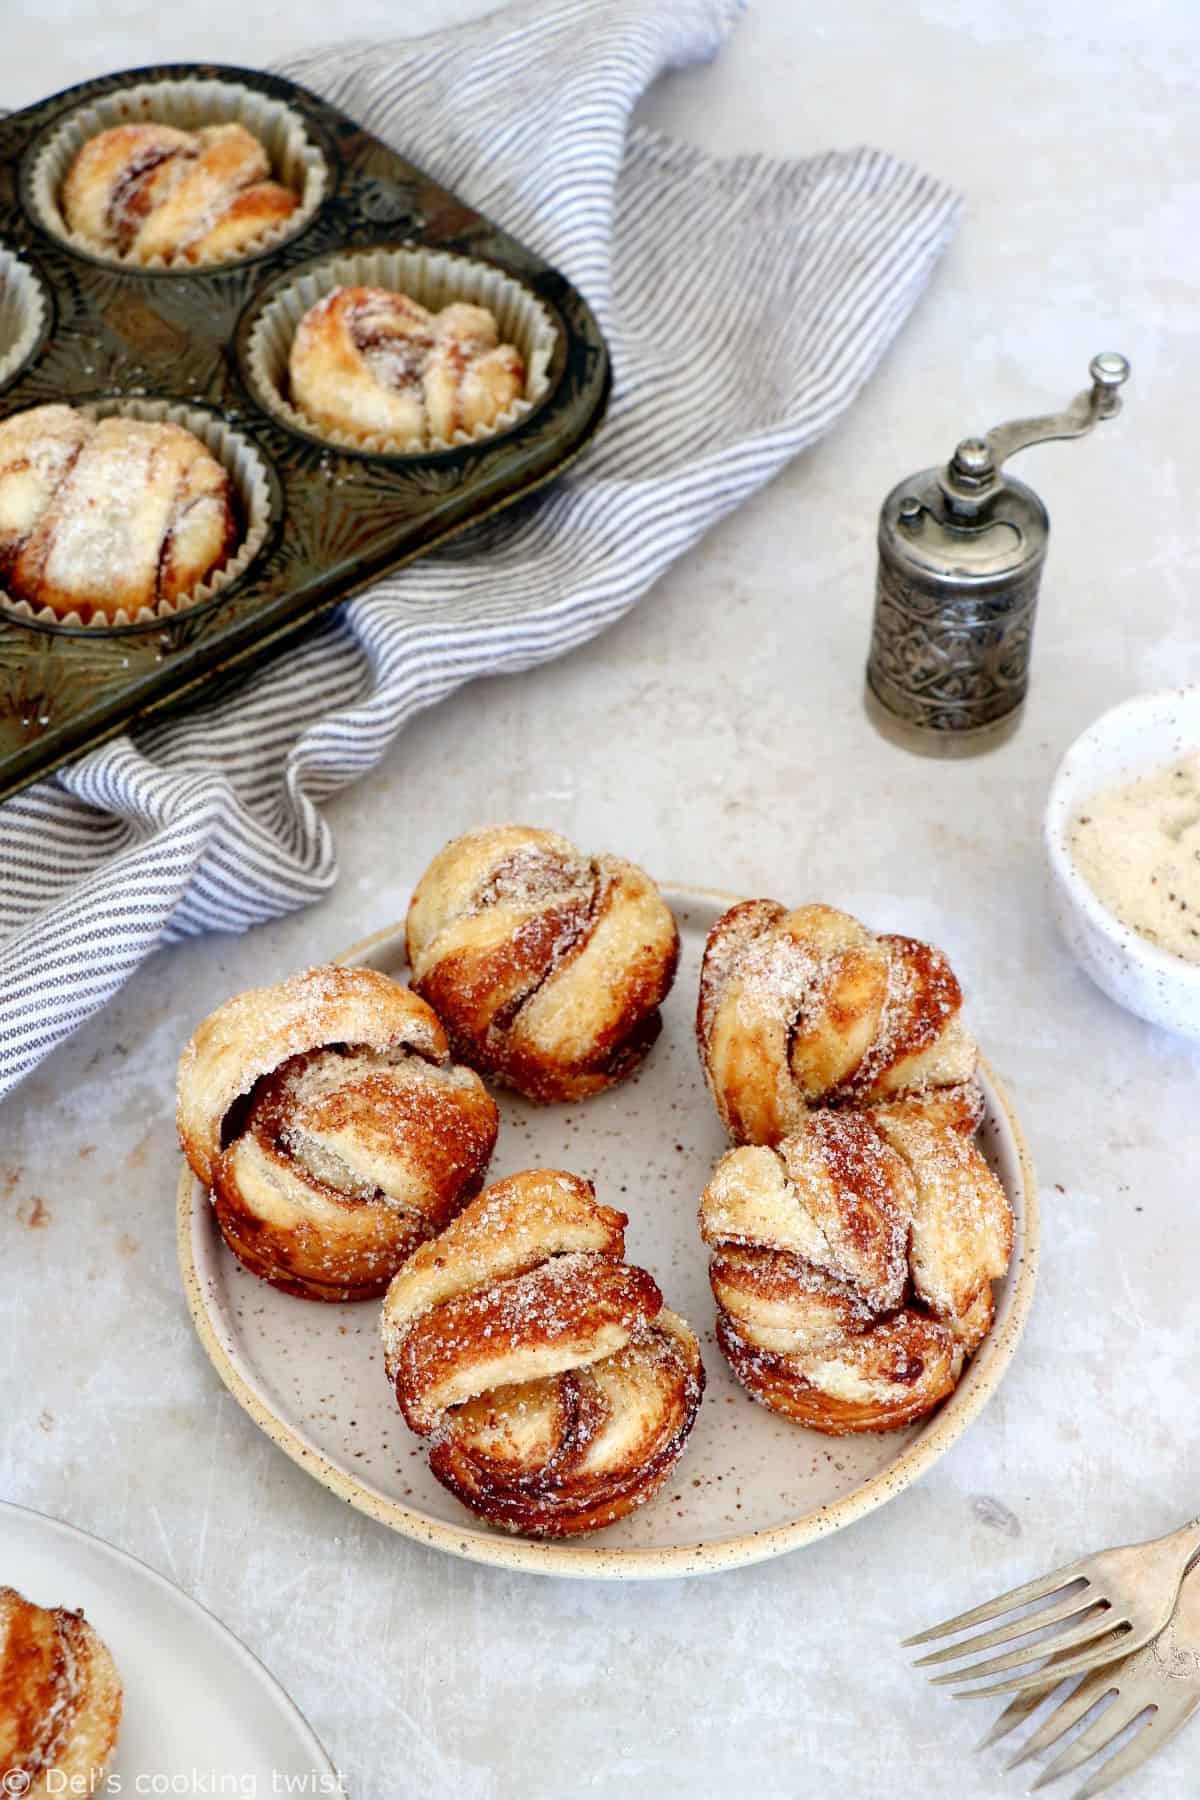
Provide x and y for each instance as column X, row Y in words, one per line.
column 23, row 312
column 245, row 469
column 435, row 278
column 295, row 160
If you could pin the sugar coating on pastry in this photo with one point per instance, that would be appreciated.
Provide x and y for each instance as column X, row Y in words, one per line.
column 60, row 1700
column 555, row 1389
column 852, row 1265
column 151, row 192
column 333, row 1130
column 546, row 966
column 810, row 1008
column 99, row 516
column 370, row 363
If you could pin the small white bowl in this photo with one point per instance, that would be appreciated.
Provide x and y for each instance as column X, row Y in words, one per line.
column 1149, row 732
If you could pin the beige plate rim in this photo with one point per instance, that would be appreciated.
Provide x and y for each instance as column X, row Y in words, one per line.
column 592, row 1561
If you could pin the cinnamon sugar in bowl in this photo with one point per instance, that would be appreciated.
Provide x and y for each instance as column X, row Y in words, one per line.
column 1141, row 737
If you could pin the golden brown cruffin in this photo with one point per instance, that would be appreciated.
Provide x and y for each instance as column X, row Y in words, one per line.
column 331, row 1126
column 60, row 1701
column 103, row 515
column 150, row 192
column 556, row 1390
column 369, row 363
column 810, row 1008
column 546, row 966
column 852, row 1265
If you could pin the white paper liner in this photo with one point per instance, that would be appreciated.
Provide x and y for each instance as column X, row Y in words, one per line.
column 245, row 469
column 295, row 160
column 23, row 312
column 435, row 278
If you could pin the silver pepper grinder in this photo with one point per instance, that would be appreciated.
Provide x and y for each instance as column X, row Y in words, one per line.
column 961, row 550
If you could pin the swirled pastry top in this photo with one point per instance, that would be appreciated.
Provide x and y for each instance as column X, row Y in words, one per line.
column 369, row 363
column 546, row 966
column 331, row 1127
column 60, row 1700
column 810, row 1008
column 853, row 1264
column 557, row 1390
column 100, row 516
column 258, row 1031
column 152, row 192
column 526, row 1282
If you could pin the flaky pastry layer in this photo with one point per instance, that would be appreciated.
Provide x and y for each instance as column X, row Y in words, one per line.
column 546, row 966
column 555, row 1389
column 852, row 1264
column 333, row 1130
column 809, row 1009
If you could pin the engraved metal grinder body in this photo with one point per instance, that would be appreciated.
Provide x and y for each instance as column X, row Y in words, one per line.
column 961, row 550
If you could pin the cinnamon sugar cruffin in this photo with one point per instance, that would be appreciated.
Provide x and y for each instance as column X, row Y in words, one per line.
column 809, row 1008
column 547, row 967
column 325, row 1115
column 100, row 517
column 852, row 1264
column 555, row 1389
column 60, row 1700
column 152, row 192
column 371, row 364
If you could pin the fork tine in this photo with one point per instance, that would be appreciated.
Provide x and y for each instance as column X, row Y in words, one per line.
column 1013, row 1715
column 1099, row 1619
column 1074, row 1707
column 1095, row 1737
column 1156, row 1734
column 992, row 1609
column 1092, row 1656
column 1030, row 1698
column 1003, row 1634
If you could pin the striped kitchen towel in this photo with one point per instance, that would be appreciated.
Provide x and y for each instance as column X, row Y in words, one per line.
column 745, row 302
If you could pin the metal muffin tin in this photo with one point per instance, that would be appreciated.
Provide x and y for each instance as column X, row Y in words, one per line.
column 341, row 518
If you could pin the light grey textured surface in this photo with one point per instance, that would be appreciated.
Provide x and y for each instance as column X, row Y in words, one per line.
column 717, row 736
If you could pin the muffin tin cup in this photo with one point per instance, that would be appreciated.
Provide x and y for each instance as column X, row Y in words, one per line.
column 23, row 312
column 295, row 160
column 331, row 519
column 434, row 278
column 246, row 470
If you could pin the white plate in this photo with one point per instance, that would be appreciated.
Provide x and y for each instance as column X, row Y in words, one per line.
column 749, row 1485
column 201, row 1713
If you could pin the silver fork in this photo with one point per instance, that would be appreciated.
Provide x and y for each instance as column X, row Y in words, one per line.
column 1158, row 1685
column 1101, row 1607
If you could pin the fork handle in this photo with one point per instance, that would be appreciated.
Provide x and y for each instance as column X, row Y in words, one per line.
column 1187, row 1538
column 1192, row 1531
column 1186, row 1621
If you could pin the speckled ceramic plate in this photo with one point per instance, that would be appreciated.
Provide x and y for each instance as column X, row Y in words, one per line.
column 205, row 1718
column 749, row 1485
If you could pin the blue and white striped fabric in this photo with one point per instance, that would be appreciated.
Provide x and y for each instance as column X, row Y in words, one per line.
column 744, row 301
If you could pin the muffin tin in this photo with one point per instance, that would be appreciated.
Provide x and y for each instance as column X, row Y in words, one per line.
column 92, row 331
